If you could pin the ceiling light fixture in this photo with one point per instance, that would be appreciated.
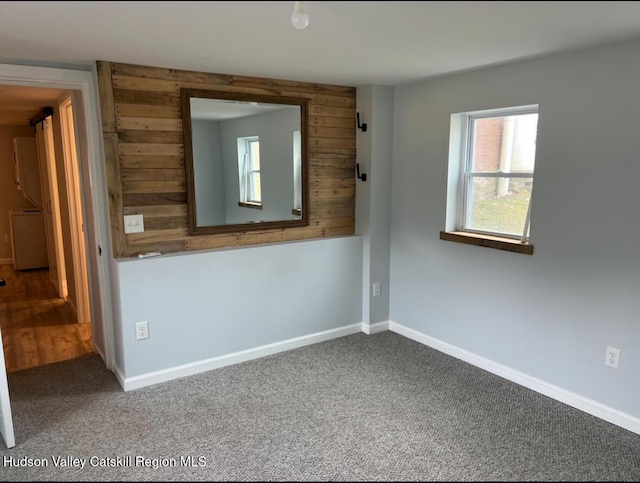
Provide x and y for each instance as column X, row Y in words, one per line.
column 299, row 17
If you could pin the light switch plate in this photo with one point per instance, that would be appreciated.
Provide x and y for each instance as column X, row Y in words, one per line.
column 133, row 224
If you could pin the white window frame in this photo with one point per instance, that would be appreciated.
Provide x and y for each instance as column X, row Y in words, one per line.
column 245, row 171
column 459, row 177
column 297, row 173
column 466, row 175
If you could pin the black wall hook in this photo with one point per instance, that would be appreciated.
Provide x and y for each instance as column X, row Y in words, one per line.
column 363, row 177
column 362, row 126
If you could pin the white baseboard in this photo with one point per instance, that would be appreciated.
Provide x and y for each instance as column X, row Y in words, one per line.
column 577, row 401
column 137, row 382
column 370, row 329
column 120, row 376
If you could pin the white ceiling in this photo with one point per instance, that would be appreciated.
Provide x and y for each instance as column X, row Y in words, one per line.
column 350, row 43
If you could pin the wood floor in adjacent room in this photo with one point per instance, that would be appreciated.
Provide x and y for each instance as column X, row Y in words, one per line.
column 38, row 327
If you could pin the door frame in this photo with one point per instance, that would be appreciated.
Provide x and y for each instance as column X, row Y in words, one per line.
column 95, row 198
column 74, row 195
column 6, row 418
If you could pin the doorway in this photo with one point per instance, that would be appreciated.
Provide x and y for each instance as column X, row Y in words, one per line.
column 44, row 312
column 83, row 87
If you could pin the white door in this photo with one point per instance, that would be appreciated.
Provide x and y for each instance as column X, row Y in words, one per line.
column 6, row 420
column 51, row 206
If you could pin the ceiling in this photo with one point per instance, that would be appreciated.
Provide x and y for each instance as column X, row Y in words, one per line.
column 350, row 43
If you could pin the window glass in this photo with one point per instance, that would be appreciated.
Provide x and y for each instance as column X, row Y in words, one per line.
column 498, row 172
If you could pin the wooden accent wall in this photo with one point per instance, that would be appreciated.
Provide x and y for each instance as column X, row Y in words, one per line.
column 144, row 156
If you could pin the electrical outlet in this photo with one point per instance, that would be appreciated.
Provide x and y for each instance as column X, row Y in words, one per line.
column 142, row 330
column 613, row 357
column 376, row 289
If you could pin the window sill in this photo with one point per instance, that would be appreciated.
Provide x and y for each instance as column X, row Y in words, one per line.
column 247, row 204
column 488, row 241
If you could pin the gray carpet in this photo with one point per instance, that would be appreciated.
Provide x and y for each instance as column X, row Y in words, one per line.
column 378, row 407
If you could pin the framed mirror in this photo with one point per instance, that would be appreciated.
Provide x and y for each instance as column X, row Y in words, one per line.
column 245, row 161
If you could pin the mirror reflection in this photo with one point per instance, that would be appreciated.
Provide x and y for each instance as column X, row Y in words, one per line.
column 244, row 159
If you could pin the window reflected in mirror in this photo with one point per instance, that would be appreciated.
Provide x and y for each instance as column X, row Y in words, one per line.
column 249, row 172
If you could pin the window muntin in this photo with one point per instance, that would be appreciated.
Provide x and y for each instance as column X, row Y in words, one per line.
column 497, row 172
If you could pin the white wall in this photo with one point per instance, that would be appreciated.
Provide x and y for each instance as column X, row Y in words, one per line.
column 549, row 316
column 373, row 198
column 211, row 304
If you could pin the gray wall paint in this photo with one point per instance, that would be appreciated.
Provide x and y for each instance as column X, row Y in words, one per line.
column 208, row 173
column 373, row 200
column 550, row 315
column 213, row 303
column 116, row 324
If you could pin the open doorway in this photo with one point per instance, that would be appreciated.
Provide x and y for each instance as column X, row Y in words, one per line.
column 83, row 88
column 44, row 308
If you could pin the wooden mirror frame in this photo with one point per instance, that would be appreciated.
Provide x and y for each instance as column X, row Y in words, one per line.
column 193, row 228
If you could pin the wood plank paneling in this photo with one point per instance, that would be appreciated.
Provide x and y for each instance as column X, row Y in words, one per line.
column 144, row 149
column 152, row 199
column 317, row 142
column 146, row 110
column 293, row 86
column 152, row 149
column 157, row 236
column 148, row 98
column 332, row 173
column 165, row 222
column 144, row 174
column 331, row 111
column 130, row 70
column 331, row 132
column 154, row 186
column 332, row 183
column 332, row 122
column 152, row 137
column 148, row 124
column 332, row 212
column 157, row 210
column 160, row 161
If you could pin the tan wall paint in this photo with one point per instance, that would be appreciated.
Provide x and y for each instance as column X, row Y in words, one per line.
column 10, row 197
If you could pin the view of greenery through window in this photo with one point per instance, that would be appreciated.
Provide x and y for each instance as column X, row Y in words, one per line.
column 502, row 214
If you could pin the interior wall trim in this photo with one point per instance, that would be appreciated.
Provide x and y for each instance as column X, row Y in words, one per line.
column 371, row 329
column 572, row 399
column 137, row 382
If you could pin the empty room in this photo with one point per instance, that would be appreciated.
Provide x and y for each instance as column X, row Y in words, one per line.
column 319, row 241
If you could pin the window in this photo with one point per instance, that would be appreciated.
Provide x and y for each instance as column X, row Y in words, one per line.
column 297, row 174
column 491, row 170
column 249, row 170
